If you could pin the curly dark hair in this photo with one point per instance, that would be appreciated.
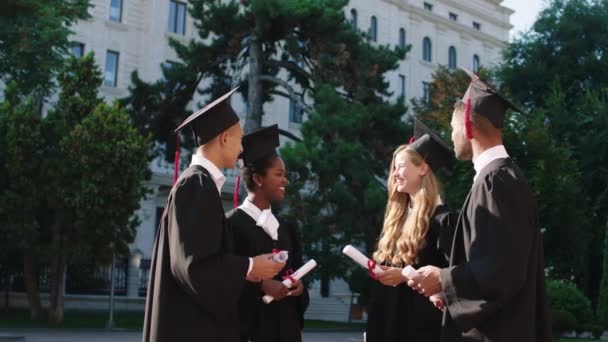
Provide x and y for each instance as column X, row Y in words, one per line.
column 259, row 167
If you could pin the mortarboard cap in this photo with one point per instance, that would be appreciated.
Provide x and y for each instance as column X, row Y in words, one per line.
column 259, row 144
column 485, row 101
column 212, row 119
column 435, row 152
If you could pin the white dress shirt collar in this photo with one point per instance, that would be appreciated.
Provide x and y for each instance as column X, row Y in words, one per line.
column 263, row 218
column 218, row 177
column 488, row 156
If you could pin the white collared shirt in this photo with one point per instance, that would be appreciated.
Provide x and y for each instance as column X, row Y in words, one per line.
column 263, row 218
column 488, row 156
column 218, row 177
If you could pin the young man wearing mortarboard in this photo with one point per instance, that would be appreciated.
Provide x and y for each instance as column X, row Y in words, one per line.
column 195, row 280
column 494, row 288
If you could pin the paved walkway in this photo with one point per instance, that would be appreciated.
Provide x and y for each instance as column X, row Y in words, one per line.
column 54, row 335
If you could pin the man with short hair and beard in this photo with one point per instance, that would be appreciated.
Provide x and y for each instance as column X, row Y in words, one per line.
column 494, row 288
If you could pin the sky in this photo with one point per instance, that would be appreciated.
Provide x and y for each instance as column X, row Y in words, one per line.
column 525, row 13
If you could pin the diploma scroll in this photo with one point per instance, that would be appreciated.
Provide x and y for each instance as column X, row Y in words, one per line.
column 361, row 259
column 280, row 256
column 411, row 273
column 301, row 272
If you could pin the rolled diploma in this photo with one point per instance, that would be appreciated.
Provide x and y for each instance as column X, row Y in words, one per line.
column 359, row 258
column 410, row 273
column 281, row 256
column 302, row 271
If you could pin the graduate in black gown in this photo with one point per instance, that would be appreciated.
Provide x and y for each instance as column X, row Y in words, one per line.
column 256, row 231
column 417, row 231
column 195, row 280
column 494, row 286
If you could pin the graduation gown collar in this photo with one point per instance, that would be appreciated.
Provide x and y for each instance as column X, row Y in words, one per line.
column 263, row 218
column 488, row 156
column 218, row 177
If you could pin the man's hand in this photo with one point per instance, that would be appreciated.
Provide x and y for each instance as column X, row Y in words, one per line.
column 296, row 289
column 264, row 267
column 391, row 276
column 428, row 282
column 438, row 301
column 274, row 288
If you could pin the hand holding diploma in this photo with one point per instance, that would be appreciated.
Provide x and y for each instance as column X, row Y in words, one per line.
column 426, row 280
column 293, row 278
column 264, row 267
column 362, row 260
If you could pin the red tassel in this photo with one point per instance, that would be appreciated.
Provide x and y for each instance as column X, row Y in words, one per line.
column 176, row 161
column 467, row 120
column 236, row 191
column 412, row 139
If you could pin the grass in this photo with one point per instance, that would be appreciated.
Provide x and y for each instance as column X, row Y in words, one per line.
column 72, row 320
column 125, row 320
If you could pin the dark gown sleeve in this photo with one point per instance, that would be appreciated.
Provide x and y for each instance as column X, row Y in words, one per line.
column 199, row 263
column 446, row 223
column 500, row 246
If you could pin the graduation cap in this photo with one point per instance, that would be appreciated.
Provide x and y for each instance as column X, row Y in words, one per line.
column 257, row 145
column 485, row 101
column 207, row 123
column 261, row 143
column 435, row 152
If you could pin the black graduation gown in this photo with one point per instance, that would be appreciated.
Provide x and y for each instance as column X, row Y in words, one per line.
column 401, row 314
column 279, row 321
column 495, row 285
column 194, row 281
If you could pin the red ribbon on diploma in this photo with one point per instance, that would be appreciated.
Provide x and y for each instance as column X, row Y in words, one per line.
column 275, row 251
column 289, row 275
column 371, row 264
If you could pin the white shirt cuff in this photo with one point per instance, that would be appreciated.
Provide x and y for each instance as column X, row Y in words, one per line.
column 250, row 266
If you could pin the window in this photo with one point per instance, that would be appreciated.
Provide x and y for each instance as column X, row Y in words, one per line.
column 426, row 49
column 402, row 87
column 476, row 63
column 373, row 29
column 452, row 58
column 116, row 10
column 77, row 49
column 477, row 26
column 453, row 16
column 353, row 17
column 426, row 92
column 428, row 6
column 110, row 77
column 177, row 17
column 295, row 111
column 402, row 38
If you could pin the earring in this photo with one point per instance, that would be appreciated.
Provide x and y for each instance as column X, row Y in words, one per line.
column 259, row 185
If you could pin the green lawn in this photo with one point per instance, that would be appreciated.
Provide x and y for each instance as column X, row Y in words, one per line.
column 124, row 320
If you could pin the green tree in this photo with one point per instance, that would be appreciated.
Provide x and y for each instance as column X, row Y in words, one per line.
column 602, row 306
column 21, row 199
column 74, row 179
column 336, row 173
column 95, row 166
column 569, row 88
column 34, row 39
column 272, row 48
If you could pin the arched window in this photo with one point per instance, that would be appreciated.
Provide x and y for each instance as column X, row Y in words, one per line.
column 353, row 17
column 426, row 49
column 402, row 38
column 373, row 29
column 452, row 58
column 476, row 63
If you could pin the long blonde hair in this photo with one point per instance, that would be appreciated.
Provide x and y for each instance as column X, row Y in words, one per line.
column 403, row 235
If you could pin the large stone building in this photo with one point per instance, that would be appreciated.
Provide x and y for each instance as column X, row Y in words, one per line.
column 128, row 35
